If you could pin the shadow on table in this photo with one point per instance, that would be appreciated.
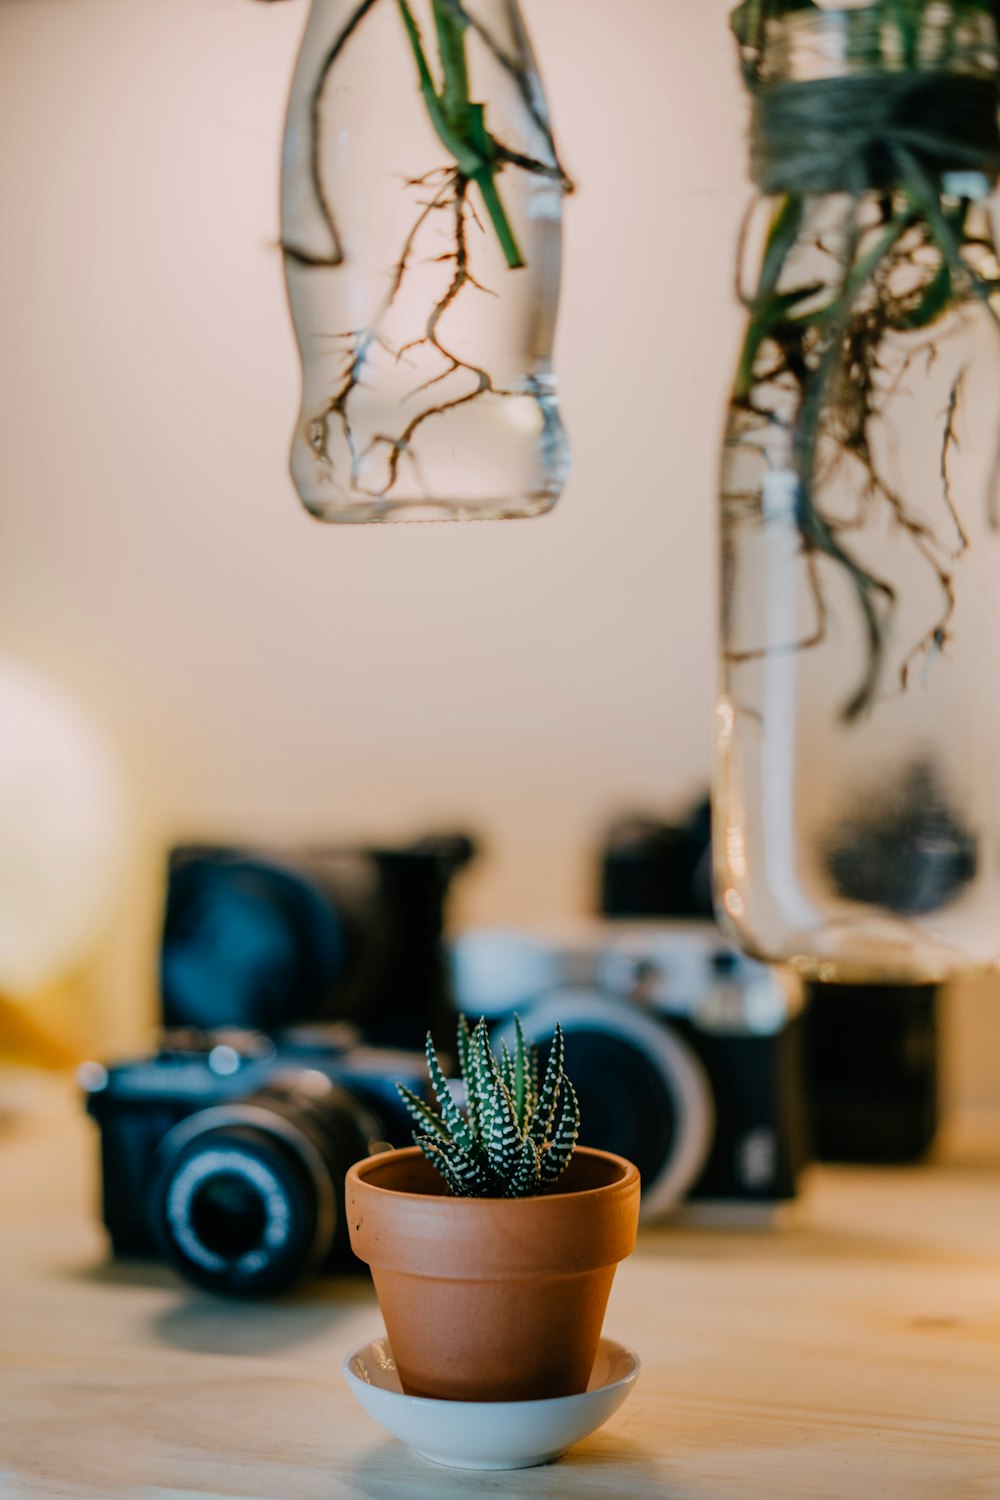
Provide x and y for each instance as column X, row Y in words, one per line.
column 604, row 1465
column 206, row 1324
column 926, row 1244
column 792, row 1244
column 203, row 1324
column 112, row 1272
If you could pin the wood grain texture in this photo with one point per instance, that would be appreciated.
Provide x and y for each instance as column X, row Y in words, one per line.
column 852, row 1355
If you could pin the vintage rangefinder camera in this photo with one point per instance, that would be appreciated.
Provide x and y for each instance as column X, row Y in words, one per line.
column 686, row 1056
column 870, row 1051
column 226, row 1152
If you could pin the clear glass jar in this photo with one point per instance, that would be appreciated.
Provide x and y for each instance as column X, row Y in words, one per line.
column 857, row 834
column 421, row 223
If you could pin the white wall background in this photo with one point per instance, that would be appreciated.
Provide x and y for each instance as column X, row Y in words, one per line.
column 260, row 674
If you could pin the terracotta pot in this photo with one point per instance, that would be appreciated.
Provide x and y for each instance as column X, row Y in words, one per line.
column 492, row 1299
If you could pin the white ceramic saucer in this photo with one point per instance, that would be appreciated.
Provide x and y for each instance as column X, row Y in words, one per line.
column 489, row 1434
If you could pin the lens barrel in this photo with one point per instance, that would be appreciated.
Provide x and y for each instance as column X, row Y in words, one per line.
column 643, row 1091
column 258, row 942
column 247, row 1198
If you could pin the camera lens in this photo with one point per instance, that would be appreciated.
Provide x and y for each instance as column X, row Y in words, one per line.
column 248, row 1197
column 643, row 1092
column 256, row 943
column 638, row 1116
column 229, row 1215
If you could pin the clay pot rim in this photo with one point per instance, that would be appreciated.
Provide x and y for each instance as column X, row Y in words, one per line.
column 625, row 1182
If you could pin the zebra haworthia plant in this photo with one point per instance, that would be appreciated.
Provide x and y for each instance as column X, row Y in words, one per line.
column 514, row 1137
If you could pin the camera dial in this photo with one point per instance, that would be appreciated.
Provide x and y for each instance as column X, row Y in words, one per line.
column 247, row 1197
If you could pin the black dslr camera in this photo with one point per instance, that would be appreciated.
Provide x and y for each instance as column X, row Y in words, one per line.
column 262, row 940
column 226, row 1151
column 286, row 982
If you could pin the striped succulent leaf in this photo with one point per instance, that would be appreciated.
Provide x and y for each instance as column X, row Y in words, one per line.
column 521, row 1090
column 483, row 1078
column 465, row 1063
column 527, row 1178
column 503, row 1144
column 451, row 1115
column 463, row 1173
column 564, row 1134
column 422, row 1115
column 513, row 1140
column 533, row 1075
column 507, row 1068
column 548, row 1099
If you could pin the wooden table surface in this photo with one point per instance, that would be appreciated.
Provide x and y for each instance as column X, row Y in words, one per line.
column 854, row 1355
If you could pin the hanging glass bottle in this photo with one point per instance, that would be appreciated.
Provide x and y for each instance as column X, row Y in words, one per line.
column 421, row 223
column 856, row 814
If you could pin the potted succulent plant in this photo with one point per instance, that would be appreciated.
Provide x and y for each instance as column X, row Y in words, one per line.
column 493, row 1241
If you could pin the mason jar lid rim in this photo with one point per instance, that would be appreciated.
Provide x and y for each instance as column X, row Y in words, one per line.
column 845, row 34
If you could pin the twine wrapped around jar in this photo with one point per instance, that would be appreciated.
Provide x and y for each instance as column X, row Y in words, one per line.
column 852, row 134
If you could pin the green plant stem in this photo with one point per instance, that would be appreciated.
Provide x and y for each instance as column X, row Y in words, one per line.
column 457, row 120
column 825, row 344
column 775, row 316
column 769, row 307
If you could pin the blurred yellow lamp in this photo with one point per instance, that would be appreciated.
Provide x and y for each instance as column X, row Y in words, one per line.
column 62, row 827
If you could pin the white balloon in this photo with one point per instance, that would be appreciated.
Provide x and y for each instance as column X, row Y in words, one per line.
column 61, row 832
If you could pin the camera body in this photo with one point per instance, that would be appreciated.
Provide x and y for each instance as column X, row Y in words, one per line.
column 687, row 1057
column 870, row 1051
column 264, row 938
column 650, row 868
column 226, row 1152
column 872, row 1066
